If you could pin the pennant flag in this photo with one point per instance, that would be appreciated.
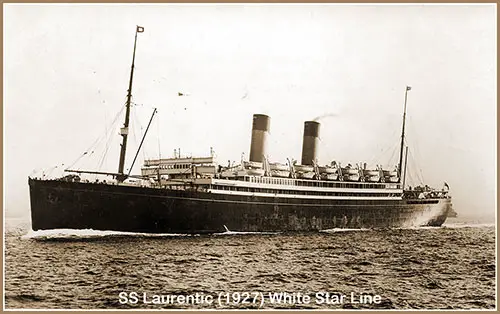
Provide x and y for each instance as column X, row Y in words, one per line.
column 140, row 29
column 408, row 87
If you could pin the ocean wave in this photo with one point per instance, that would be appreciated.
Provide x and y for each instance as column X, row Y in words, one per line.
column 345, row 230
column 226, row 233
column 91, row 233
column 468, row 225
column 56, row 274
column 229, row 232
column 418, row 228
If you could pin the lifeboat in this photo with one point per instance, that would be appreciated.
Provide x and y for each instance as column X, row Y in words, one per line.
column 306, row 175
column 372, row 178
column 352, row 177
column 371, row 172
column 388, row 173
column 280, row 173
column 327, row 169
column 350, row 171
column 329, row 176
column 228, row 173
column 392, row 179
column 303, row 168
column 251, row 172
column 252, row 164
column 278, row 167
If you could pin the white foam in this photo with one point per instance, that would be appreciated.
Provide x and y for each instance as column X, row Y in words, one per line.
column 229, row 232
column 468, row 225
column 91, row 233
column 410, row 227
column 242, row 232
column 344, row 230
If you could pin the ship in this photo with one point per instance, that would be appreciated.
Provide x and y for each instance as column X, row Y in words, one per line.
column 197, row 195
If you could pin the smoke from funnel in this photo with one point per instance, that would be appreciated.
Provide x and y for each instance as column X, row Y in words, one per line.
column 326, row 115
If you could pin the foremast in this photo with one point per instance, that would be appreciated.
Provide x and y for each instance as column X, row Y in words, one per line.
column 124, row 131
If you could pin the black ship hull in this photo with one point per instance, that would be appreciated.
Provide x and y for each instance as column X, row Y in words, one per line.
column 58, row 204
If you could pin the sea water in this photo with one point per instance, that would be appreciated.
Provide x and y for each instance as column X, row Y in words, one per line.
column 452, row 267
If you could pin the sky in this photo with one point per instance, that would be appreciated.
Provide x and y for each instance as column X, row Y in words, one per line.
column 67, row 67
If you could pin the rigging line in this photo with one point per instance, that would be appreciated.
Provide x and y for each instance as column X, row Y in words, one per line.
column 107, row 145
column 104, row 153
column 105, row 120
column 418, row 175
column 50, row 170
column 422, row 176
column 392, row 148
column 136, row 123
column 133, row 126
column 144, row 149
column 418, row 156
column 115, row 119
column 95, row 144
column 111, row 124
column 413, row 137
column 108, row 138
column 411, row 181
column 142, row 141
column 114, row 124
column 396, row 143
column 78, row 159
column 387, row 148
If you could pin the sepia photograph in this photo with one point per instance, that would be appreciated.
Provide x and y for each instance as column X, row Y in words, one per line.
column 249, row 156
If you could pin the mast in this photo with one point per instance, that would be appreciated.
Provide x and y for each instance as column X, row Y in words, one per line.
column 406, row 166
column 408, row 88
column 124, row 131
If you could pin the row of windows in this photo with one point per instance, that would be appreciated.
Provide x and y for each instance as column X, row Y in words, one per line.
column 317, row 193
column 175, row 166
column 314, row 183
column 179, row 166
